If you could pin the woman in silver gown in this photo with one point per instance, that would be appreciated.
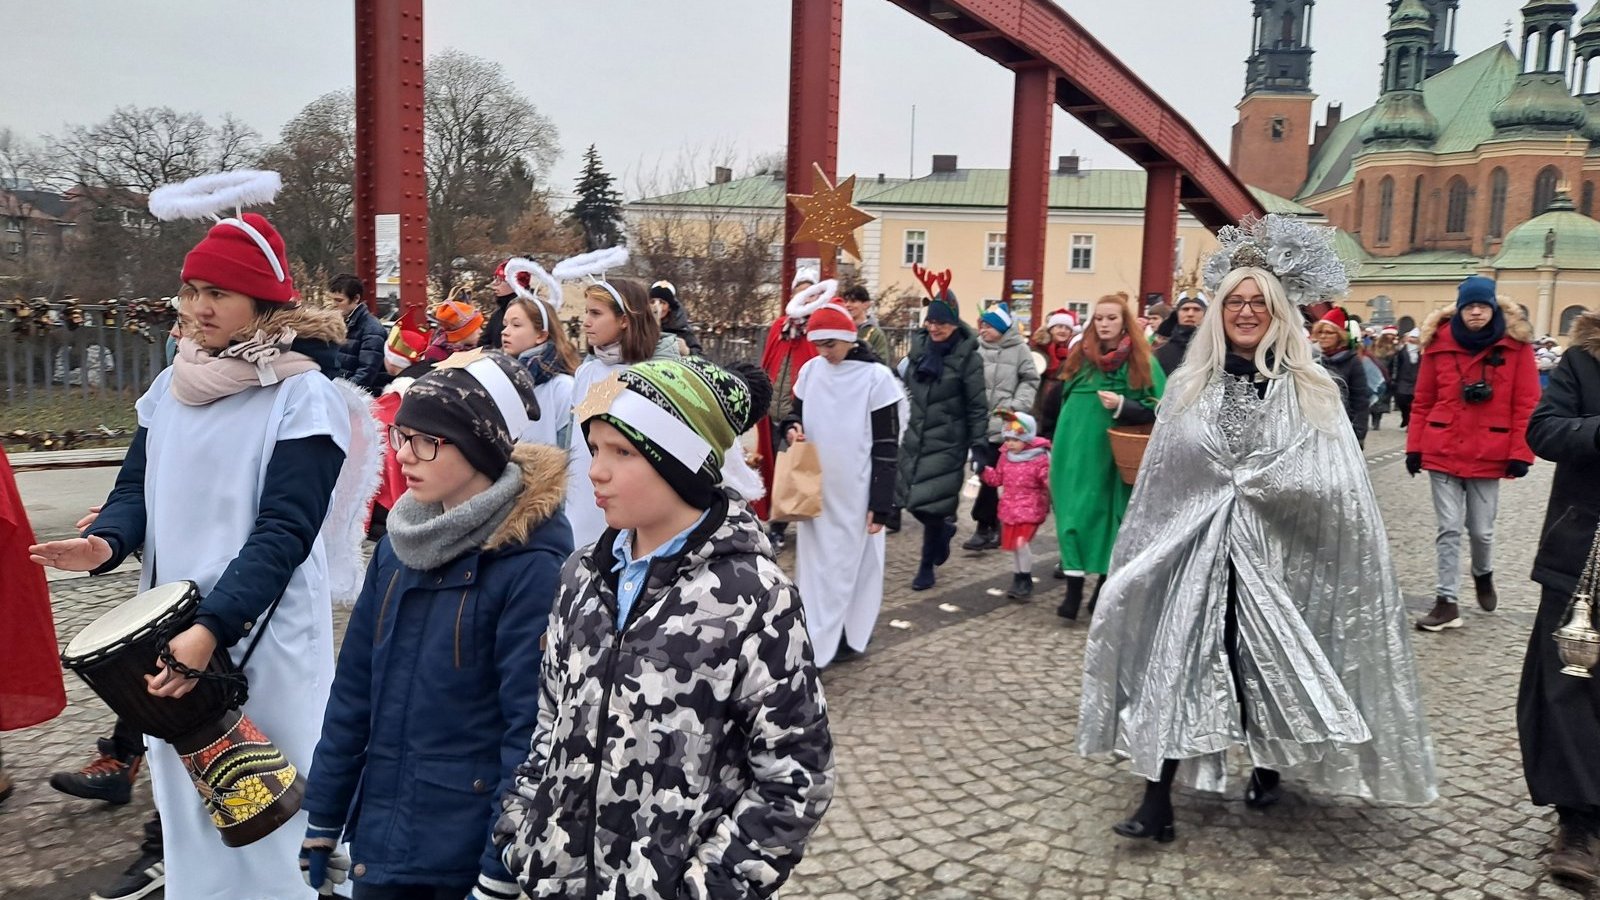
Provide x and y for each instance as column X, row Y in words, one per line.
column 1251, row 600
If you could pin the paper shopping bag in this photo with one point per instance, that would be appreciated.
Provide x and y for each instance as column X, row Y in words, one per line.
column 797, row 484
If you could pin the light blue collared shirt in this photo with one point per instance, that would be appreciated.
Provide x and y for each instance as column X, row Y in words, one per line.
column 635, row 572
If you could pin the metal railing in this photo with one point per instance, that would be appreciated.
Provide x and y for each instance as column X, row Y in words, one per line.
column 744, row 343
column 64, row 355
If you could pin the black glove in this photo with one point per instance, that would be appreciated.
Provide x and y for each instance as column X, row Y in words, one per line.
column 1413, row 463
column 1516, row 468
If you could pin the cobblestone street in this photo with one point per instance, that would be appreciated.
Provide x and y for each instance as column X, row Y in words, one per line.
column 958, row 777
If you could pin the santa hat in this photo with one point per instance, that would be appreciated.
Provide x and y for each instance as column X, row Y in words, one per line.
column 831, row 322
column 805, row 275
column 456, row 319
column 404, row 348
column 998, row 317
column 1389, row 329
column 1337, row 318
column 1062, row 316
column 1020, row 426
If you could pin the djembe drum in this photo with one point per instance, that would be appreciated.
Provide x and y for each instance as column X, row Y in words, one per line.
column 248, row 785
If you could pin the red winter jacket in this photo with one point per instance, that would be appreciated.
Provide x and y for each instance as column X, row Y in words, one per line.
column 1474, row 440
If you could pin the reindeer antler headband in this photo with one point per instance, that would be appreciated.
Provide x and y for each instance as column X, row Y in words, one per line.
column 930, row 280
column 204, row 196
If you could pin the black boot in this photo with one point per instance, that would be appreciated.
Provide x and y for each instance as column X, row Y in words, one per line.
column 924, row 578
column 979, row 539
column 1264, row 790
column 1021, row 586
column 1074, row 599
column 1094, row 599
column 943, row 534
column 1153, row 819
column 1488, row 598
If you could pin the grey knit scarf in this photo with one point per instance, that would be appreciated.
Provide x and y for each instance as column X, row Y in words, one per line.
column 426, row 536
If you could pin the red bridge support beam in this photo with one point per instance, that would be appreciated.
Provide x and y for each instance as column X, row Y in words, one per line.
column 1028, row 203
column 390, row 177
column 814, row 42
column 1160, row 233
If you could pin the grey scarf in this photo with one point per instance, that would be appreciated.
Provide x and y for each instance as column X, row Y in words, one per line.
column 426, row 536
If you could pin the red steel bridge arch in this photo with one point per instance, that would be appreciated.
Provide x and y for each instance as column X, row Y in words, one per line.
column 1055, row 60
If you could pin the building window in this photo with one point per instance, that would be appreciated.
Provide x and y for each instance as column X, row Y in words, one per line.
column 1544, row 189
column 717, row 248
column 1385, row 208
column 994, row 250
column 1455, row 219
column 1082, row 253
column 916, row 248
column 1361, row 205
column 1080, row 308
column 13, row 227
column 1177, row 257
column 14, row 248
column 1416, row 211
column 1279, row 126
column 1570, row 316
column 1497, row 203
column 1587, row 206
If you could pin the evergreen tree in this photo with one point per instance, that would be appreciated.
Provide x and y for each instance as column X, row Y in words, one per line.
column 598, row 212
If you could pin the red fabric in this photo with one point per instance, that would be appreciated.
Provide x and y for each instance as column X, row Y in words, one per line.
column 1014, row 536
column 1054, row 355
column 798, row 351
column 394, row 483
column 31, row 690
column 1336, row 317
column 830, row 318
column 1472, row 440
column 229, row 258
column 1024, row 486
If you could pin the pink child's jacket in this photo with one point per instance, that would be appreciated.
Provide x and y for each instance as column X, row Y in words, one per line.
column 1024, row 486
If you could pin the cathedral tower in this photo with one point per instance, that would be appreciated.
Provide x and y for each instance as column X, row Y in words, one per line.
column 1272, row 139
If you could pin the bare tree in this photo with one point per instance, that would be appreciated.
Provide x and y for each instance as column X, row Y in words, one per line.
column 487, row 150
column 723, row 259
column 315, row 154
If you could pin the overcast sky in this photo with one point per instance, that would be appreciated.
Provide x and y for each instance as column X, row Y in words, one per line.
column 644, row 79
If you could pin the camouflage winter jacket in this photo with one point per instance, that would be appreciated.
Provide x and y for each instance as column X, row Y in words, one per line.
column 686, row 756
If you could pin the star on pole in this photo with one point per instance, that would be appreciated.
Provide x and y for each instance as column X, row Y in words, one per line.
column 827, row 215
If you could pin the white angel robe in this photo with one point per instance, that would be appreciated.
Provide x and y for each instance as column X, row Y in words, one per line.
column 839, row 567
column 555, row 414
column 587, row 520
column 205, row 466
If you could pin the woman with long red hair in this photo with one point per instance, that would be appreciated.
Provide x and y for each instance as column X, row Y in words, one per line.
column 1108, row 379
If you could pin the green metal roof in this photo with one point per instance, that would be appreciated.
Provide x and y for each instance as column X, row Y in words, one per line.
column 1424, row 265
column 1282, row 205
column 1461, row 97
column 1577, row 242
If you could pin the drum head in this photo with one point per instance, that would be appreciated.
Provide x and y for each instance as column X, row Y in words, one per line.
column 134, row 617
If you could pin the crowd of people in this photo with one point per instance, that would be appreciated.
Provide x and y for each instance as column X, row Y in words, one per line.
column 574, row 666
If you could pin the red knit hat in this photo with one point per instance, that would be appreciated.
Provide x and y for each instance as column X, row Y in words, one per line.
column 456, row 319
column 831, row 323
column 230, row 258
column 525, row 278
column 1336, row 317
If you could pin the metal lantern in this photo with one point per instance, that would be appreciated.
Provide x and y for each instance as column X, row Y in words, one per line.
column 1577, row 641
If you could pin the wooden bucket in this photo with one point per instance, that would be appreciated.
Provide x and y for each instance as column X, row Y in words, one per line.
column 1127, row 449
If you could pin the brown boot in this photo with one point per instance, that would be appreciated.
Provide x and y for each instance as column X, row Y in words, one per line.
column 1445, row 614
column 1573, row 856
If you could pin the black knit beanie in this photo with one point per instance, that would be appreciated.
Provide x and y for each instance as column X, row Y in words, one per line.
column 457, row 401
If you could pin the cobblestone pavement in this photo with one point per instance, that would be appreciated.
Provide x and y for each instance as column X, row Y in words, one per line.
column 957, row 774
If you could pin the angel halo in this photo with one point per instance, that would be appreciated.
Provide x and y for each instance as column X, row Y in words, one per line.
column 206, row 196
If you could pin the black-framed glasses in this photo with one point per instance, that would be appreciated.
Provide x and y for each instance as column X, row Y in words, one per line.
column 423, row 446
column 1236, row 304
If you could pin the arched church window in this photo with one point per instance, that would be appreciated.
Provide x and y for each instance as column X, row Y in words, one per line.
column 1385, row 208
column 1416, row 211
column 1544, row 189
column 1361, row 205
column 1570, row 316
column 1498, row 185
column 1455, row 219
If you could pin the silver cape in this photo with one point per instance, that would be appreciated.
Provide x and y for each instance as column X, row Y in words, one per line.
column 1326, row 666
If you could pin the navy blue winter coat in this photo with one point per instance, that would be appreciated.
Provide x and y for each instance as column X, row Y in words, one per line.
column 361, row 354
column 437, row 693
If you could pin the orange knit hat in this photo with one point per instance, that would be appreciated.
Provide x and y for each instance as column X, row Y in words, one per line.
column 456, row 319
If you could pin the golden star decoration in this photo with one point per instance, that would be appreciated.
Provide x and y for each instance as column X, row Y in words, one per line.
column 827, row 215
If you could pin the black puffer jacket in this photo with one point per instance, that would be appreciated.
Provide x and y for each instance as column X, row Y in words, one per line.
column 1403, row 372
column 1170, row 354
column 677, row 324
column 361, row 354
column 1565, row 429
column 949, row 417
column 1347, row 369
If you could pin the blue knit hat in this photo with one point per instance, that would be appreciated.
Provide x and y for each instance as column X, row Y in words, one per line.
column 945, row 309
column 1476, row 289
column 998, row 317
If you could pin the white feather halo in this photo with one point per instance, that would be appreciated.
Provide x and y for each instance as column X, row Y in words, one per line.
column 516, row 266
column 591, row 265
column 811, row 299
column 207, row 196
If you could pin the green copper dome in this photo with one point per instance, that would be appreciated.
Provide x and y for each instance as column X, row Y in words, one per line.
column 1576, row 238
column 1540, row 103
column 1591, row 19
column 1401, row 119
column 1409, row 12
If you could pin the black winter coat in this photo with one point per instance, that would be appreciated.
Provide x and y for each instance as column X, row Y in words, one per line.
column 496, row 325
column 676, row 323
column 361, row 354
column 1403, row 373
column 1170, row 354
column 949, row 417
column 1347, row 369
column 1565, row 429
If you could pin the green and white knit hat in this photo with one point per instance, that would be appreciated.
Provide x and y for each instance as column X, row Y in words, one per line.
column 682, row 415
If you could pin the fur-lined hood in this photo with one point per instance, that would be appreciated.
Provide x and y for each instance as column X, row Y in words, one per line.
column 544, row 486
column 1517, row 326
column 1586, row 333
column 309, row 323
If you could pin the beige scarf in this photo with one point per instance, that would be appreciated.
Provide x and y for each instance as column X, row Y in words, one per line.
column 201, row 376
